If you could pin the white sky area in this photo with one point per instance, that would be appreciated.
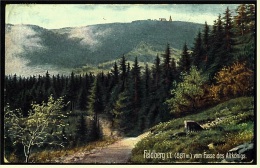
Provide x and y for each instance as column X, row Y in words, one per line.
column 54, row 16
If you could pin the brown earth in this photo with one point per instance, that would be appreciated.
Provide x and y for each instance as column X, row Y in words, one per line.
column 118, row 152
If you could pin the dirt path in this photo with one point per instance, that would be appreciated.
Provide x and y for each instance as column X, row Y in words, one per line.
column 118, row 152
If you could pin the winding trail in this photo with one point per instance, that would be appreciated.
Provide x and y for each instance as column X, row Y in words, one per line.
column 118, row 152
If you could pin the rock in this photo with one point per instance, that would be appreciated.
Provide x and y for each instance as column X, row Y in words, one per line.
column 192, row 126
column 241, row 153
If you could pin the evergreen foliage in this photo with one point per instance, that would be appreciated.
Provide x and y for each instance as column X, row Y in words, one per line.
column 81, row 131
column 185, row 60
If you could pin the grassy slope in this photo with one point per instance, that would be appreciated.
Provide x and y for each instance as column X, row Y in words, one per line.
column 237, row 127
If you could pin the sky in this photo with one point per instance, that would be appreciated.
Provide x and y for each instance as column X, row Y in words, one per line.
column 55, row 16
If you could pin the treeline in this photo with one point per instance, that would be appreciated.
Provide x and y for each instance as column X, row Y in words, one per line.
column 219, row 66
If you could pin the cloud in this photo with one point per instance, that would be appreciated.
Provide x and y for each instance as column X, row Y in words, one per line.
column 54, row 16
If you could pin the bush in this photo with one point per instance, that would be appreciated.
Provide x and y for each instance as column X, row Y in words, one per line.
column 188, row 94
column 233, row 81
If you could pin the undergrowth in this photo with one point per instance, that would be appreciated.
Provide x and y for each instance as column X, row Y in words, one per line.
column 236, row 128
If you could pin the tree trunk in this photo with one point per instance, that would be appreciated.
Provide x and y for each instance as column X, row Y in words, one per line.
column 27, row 153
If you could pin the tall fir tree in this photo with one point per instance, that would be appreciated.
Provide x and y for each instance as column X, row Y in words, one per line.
column 82, row 102
column 81, row 131
column 240, row 19
column 166, row 70
column 205, row 42
column 115, row 76
column 122, row 69
column 174, row 70
column 185, row 61
column 198, row 54
column 136, row 87
column 217, row 53
column 156, row 73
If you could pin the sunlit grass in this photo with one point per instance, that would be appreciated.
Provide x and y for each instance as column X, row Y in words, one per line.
column 235, row 129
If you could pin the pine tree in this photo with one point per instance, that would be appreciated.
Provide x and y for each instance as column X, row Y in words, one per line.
column 124, row 116
column 81, row 131
column 174, row 70
column 47, row 82
column 185, row 61
column 71, row 93
column 198, row 54
column 251, row 18
column 156, row 73
column 95, row 101
column 147, row 81
column 228, row 30
column 217, row 52
column 95, row 107
column 83, row 99
column 240, row 19
column 115, row 75
column 146, row 101
column 136, row 77
column 166, row 70
column 206, row 44
column 122, row 69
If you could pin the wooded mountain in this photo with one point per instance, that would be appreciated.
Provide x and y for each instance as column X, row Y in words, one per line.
column 40, row 49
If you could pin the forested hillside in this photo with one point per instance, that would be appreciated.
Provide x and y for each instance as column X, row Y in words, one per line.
column 218, row 66
column 62, row 50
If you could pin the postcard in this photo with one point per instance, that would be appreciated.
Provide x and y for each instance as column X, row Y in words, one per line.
column 171, row 83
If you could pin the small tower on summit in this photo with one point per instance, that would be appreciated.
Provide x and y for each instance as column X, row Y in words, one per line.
column 170, row 20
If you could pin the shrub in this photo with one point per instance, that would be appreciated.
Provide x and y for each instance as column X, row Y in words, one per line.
column 233, row 81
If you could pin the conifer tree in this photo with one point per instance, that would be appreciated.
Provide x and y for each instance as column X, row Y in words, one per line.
column 240, row 19
column 136, row 79
column 47, row 82
column 81, row 131
column 83, row 99
column 166, row 70
column 146, row 100
column 121, row 112
column 174, row 70
column 122, row 69
column 115, row 75
column 71, row 91
column 198, row 54
column 95, row 101
column 251, row 18
column 185, row 61
column 228, row 30
column 217, row 54
column 156, row 73
column 206, row 44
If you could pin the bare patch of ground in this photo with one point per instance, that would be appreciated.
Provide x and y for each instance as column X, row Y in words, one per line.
column 118, row 152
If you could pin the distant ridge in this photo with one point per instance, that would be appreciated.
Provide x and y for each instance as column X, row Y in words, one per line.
column 73, row 47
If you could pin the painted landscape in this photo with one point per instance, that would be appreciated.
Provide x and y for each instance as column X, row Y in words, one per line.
column 157, row 90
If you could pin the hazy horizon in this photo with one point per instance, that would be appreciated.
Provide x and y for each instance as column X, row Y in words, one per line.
column 57, row 16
